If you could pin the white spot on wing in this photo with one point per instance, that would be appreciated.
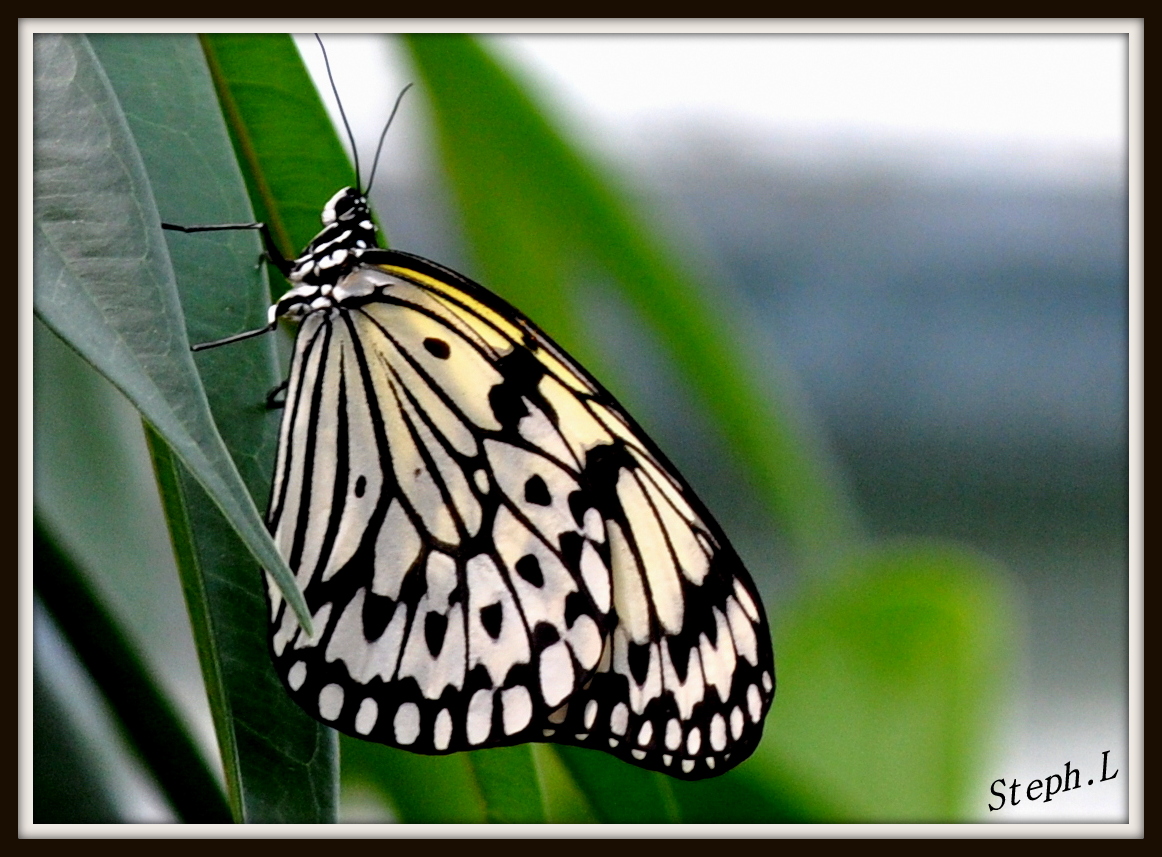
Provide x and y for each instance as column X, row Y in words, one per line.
column 442, row 735
column 687, row 765
column 736, row 722
column 651, row 687
column 619, row 719
column 690, row 692
column 368, row 714
column 407, row 723
column 285, row 631
column 441, row 579
column 754, row 703
column 691, row 558
column 556, row 673
column 742, row 631
column 297, row 675
column 590, row 713
column 585, row 640
column 638, row 754
column 594, row 526
column 319, row 622
column 595, row 575
column 517, row 709
column 694, row 741
column 330, row 701
column 768, row 683
column 673, row 734
column 479, row 716
column 718, row 732
column 645, row 734
column 746, row 601
column 718, row 662
column 629, row 594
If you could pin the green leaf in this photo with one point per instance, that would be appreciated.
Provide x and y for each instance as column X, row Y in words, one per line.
column 421, row 789
column 508, row 782
column 103, row 281
column 890, row 681
column 290, row 153
column 280, row 764
column 619, row 792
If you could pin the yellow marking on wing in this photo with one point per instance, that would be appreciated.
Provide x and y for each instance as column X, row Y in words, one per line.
column 460, row 296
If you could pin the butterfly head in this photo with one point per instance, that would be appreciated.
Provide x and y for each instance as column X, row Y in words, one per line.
column 347, row 231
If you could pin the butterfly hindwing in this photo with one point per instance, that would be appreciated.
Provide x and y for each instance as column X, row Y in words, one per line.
column 492, row 550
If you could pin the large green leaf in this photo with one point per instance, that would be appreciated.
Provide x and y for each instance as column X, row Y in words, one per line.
column 280, row 764
column 893, row 678
column 103, row 281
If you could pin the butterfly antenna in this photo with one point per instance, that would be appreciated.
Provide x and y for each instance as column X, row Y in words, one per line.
column 342, row 112
column 383, row 134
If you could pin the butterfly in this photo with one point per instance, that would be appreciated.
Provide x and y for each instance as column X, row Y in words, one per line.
column 492, row 550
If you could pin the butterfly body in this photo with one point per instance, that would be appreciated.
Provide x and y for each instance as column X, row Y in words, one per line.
column 492, row 551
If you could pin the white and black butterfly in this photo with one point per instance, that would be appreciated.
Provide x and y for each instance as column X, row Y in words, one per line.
column 492, row 550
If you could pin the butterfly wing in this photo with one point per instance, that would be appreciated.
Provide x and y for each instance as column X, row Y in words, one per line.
column 492, row 550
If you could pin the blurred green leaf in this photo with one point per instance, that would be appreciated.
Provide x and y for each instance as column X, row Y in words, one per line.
column 890, row 682
column 421, row 789
column 507, row 777
column 543, row 223
column 147, row 716
column 619, row 792
column 67, row 782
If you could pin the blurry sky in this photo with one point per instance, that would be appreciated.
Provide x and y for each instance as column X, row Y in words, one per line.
column 1058, row 96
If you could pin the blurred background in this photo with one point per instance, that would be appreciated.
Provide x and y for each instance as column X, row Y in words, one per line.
column 925, row 234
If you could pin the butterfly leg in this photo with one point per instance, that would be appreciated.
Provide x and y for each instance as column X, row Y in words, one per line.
column 273, row 402
column 271, row 252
